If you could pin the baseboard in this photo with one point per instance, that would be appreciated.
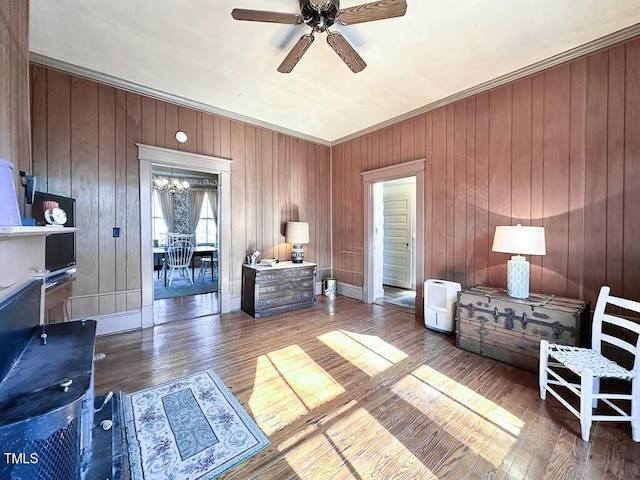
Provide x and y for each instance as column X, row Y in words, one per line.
column 235, row 302
column 118, row 322
column 350, row 291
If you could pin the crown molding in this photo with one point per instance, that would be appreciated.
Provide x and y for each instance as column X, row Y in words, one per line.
column 133, row 87
column 585, row 49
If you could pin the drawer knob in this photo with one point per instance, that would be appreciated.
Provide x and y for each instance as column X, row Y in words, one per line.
column 65, row 384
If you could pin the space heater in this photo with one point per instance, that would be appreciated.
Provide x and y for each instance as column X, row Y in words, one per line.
column 440, row 297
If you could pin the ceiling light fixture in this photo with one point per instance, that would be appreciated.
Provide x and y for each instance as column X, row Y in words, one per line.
column 169, row 184
column 181, row 137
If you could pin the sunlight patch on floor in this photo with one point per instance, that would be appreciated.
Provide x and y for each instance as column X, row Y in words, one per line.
column 470, row 399
column 313, row 427
column 357, row 446
column 287, row 385
column 370, row 354
column 378, row 345
column 461, row 413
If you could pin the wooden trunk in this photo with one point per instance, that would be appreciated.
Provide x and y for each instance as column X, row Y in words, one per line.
column 491, row 323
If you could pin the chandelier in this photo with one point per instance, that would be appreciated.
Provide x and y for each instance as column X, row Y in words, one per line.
column 169, row 184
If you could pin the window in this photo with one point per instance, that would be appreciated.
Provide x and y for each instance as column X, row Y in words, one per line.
column 158, row 225
column 207, row 230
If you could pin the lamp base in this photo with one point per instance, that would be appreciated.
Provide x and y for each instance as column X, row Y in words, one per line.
column 297, row 254
column 518, row 277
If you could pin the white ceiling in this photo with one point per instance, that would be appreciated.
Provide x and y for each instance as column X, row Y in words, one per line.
column 194, row 51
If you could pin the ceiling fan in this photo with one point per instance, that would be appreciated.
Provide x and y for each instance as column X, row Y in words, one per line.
column 322, row 16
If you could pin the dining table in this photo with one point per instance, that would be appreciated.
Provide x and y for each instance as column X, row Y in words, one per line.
column 160, row 253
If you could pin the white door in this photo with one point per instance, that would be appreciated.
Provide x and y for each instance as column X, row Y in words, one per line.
column 398, row 236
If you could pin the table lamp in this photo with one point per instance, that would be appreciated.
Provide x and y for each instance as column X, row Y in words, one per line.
column 520, row 240
column 298, row 234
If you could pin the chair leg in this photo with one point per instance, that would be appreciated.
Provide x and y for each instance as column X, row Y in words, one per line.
column 170, row 276
column 635, row 409
column 595, row 391
column 543, row 376
column 586, row 403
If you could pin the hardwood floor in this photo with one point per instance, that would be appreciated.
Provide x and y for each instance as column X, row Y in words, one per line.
column 173, row 309
column 350, row 390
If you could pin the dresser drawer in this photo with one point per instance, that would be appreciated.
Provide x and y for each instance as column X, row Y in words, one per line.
column 278, row 276
column 281, row 288
column 285, row 299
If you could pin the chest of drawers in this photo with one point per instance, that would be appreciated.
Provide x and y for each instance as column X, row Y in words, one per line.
column 285, row 286
column 493, row 324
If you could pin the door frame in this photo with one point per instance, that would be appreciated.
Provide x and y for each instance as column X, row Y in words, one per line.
column 149, row 156
column 415, row 168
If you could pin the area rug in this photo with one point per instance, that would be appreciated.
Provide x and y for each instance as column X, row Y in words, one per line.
column 181, row 287
column 407, row 301
column 189, row 428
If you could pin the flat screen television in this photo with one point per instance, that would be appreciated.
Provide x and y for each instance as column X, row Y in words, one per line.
column 60, row 249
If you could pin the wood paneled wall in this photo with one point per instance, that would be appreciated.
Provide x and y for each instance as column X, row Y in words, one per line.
column 559, row 149
column 15, row 142
column 84, row 145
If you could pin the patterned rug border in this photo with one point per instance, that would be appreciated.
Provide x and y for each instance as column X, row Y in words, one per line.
column 135, row 460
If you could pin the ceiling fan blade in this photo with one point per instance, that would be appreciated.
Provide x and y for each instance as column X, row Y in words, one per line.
column 296, row 54
column 346, row 52
column 263, row 16
column 369, row 12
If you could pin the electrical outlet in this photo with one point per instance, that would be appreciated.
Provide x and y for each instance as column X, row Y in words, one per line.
column 116, row 232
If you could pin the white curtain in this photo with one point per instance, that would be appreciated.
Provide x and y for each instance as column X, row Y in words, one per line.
column 167, row 207
column 196, row 198
column 212, row 193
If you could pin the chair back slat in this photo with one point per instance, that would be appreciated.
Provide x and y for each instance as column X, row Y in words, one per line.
column 624, row 303
column 622, row 322
column 179, row 253
column 620, row 343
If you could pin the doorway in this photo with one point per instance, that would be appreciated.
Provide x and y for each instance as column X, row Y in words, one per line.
column 184, row 205
column 395, row 231
column 154, row 157
column 373, row 271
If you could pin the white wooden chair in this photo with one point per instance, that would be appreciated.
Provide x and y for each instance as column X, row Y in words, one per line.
column 179, row 255
column 205, row 263
column 172, row 237
column 590, row 365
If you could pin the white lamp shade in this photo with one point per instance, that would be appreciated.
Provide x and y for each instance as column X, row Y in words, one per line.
column 519, row 239
column 297, row 233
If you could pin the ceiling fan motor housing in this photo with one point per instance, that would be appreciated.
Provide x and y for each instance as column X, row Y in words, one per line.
column 319, row 18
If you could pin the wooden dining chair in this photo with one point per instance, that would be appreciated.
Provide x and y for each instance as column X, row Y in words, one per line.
column 178, row 257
